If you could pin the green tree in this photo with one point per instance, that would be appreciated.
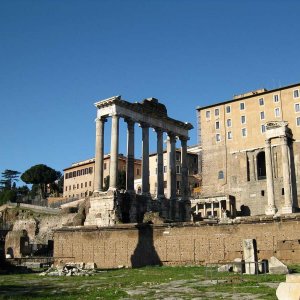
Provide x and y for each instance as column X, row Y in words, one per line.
column 40, row 175
column 121, row 181
column 8, row 196
column 10, row 177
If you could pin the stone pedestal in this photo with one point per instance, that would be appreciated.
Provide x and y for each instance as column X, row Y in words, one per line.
column 249, row 252
column 103, row 210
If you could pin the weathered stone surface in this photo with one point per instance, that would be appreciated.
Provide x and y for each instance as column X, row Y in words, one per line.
column 288, row 291
column 237, row 266
column 249, row 252
column 183, row 243
column 293, row 278
column 153, row 218
column 225, row 268
column 277, row 267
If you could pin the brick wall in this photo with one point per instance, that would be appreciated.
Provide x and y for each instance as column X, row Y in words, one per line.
column 180, row 244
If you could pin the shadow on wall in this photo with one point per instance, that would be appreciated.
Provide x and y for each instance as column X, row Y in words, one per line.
column 145, row 253
column 245, row 210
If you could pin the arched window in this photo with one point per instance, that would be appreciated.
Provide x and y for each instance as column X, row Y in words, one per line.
column 220, row 175
column 261, row 165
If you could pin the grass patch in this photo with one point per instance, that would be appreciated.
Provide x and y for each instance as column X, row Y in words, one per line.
column 142, row 283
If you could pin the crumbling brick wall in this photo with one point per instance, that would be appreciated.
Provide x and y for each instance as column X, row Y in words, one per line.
column 132, row 245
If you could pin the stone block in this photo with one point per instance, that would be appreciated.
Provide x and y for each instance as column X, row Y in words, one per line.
column 238, row 266
column 277, row 267
column 249, row 252
column 288, row 291
column 225, row 268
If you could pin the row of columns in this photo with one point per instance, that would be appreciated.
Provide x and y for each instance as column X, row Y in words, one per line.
column 287, row 182
column 114, row 153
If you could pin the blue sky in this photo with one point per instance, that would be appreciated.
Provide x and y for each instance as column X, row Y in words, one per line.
column 58, row 57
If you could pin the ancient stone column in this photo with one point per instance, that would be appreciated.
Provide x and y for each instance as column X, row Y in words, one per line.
column 184, row 169
column 160, row 164
column 114, row 152
column 270, row 208
column 145, row 159
column 99, row 154
column 130, row 156
column 171, row 169
column 286, row 170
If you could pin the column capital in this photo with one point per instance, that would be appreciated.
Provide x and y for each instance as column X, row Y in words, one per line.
column 144, row 125
column 184, row 138
column 158, row 130
column 102, row 119
column 268, row 142
column 129, row 121
column 171, row 135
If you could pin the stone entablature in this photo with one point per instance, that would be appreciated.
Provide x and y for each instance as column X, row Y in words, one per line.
column 149, row 112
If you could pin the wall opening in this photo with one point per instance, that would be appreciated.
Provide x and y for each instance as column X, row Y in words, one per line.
column 261, row 165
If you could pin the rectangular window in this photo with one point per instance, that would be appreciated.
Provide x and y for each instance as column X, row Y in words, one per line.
column 67, row 175
column 243, row 119
column 277, row 112
column 298, row 121
column 104, row 166
column 138, row 171
column 217, row 112
column 244, row 132
column 218, row 137
column 70, row 188
column 262, row 115
column 78, row 173
column 217, row 125
column 296, row 94
column 297, row 107
column 276, row 98
column 242, row 106
column 207, row 114
column 81, row 185
column 74, row 173
column 90, row 170
column 77, row 185
column 261, row 101
column 70, row 175
column 263, row 128
column 165, row 169
column 178, row 169
column 165, row 184
column 178, row 156
column 229, row 135
column 178, row 185
column 90, row 183
column 228, row 109
column 228, row 122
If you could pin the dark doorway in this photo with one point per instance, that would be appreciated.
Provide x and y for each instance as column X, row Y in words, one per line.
column 261, row 165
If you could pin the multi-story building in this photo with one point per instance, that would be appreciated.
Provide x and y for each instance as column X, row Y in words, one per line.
column 250, row 150
column 79, row 178
column 193, row 173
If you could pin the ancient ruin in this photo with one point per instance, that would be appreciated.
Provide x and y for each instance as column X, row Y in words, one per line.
column 112, row 207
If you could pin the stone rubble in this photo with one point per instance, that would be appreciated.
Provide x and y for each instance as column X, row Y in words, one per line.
column 71, row 269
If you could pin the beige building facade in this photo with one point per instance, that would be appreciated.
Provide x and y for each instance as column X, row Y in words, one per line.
column 79, row 178
column 193, row 172
column 250, row 150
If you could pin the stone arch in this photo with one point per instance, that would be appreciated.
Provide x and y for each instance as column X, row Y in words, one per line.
column 261, row 165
